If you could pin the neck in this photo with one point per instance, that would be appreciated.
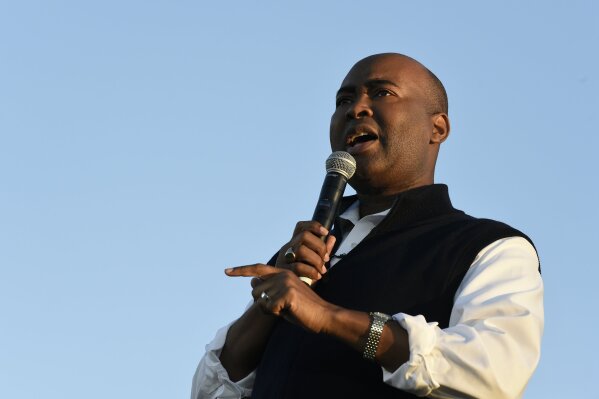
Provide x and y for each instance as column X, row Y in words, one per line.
column 377, row 199
column 374, row 204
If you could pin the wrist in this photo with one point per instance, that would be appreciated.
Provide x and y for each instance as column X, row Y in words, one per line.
column 349, row 326
column 332, row 319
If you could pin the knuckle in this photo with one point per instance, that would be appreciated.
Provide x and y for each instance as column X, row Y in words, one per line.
column 301, row 225
column 288, row 266
column 295, row 268
column 286, row 277
column 302, row 254
column 315, row 259
column 323, row 252
column 303, row 235
column 288, row 274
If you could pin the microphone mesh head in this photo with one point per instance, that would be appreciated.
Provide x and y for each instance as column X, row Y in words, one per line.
column 342, row 163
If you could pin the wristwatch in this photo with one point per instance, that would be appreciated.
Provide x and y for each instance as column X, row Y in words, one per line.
column 377, row 322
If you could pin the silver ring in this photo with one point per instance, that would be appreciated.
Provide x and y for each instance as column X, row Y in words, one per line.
column 264, row 296
column 290, row 255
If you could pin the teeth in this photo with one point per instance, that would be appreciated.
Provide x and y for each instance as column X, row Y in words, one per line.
column 353, row 138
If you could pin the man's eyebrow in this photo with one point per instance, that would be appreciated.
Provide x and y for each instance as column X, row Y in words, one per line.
column 377, row 82
column 369, row 84
column 345, row 89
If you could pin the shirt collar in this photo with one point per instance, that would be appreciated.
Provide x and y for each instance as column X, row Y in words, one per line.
column 352, row 214
column 411, row 206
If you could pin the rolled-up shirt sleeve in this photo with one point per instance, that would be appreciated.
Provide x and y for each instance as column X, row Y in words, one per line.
column 212, row 381
column 492, row 344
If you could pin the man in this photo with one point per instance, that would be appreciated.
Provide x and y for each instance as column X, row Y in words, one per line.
column 416, row 299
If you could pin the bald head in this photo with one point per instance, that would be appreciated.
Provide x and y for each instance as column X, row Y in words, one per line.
column 429, row 82
column 391, row 115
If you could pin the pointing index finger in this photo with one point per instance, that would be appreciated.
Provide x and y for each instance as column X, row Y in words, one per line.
column 255, row 270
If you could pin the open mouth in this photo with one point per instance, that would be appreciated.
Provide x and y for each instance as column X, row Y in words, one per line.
column 359, row 138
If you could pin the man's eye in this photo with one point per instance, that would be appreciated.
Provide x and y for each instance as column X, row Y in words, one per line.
column 343, row 101
column 383, row 93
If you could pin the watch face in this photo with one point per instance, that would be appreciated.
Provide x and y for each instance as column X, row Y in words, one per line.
column 381, row 315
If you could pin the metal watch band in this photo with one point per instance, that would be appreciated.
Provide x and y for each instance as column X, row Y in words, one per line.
column 377, row 323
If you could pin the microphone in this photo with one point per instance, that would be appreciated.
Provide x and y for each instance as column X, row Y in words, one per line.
column 340, row 167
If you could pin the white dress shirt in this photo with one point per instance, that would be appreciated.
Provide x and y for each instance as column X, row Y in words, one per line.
column 490, row 349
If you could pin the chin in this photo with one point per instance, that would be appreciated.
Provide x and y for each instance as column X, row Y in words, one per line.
column 363, row 185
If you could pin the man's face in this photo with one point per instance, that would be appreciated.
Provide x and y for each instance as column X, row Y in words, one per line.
column 383, row 120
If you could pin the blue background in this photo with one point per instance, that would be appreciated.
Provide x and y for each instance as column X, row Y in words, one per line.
column 147, row 145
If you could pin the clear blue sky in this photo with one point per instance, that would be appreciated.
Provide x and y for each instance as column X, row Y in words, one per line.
column 147, row 145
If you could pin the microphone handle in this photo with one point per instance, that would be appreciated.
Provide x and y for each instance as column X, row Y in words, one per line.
column 329, row 199
column 328, row 203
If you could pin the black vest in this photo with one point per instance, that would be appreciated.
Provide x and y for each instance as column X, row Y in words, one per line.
column 412, row 262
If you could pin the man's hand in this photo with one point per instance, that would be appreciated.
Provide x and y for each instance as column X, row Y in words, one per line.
column 285, row 295
column 311, row 252
column 249, row 335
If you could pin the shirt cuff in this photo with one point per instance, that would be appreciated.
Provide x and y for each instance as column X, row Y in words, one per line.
column 415, row 375
column 212, row 381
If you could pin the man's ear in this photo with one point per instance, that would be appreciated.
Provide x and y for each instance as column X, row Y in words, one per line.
column 440, row 128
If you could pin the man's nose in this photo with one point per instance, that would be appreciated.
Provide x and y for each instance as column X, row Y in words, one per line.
column 360, row 108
